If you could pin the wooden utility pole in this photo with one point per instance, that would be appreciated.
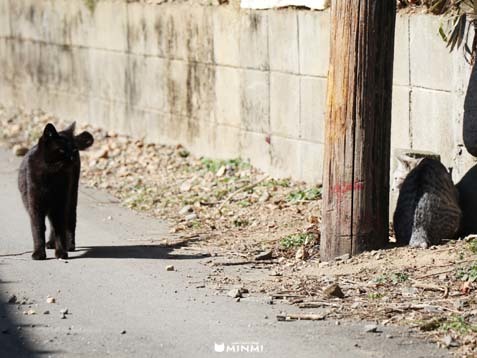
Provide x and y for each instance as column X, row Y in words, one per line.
column 358, row 127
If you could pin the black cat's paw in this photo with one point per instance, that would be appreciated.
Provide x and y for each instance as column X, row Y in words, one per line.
column 50, row 245
column 39, row 255
column 60, row 254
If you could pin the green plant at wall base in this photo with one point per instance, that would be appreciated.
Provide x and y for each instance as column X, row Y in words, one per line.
column 301, row 195
column 375, row 296
column 213, row 165
column 381, row 279
column 295, row 240
column 238, row 222
column 399, row 277
column 473, row 246
column 458, row 324
column 285, row 183
column 467, row 273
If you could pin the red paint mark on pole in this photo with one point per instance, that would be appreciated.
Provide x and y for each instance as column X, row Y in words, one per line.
column 344, row 188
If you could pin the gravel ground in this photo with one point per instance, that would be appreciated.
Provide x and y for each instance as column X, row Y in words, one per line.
column 251, row 224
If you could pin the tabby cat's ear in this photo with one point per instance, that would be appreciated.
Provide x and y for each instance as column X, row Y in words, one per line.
column 71, row 128
column 408, row 162
column 49, row 131
column 84, row 140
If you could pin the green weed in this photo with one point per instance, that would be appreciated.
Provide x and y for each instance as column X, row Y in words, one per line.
column 295, row 240
column 301, row 195
column 458, row 324
column 467, row 273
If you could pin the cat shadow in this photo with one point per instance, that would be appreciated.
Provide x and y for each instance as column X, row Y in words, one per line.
column 147, row 251
column 467, row 188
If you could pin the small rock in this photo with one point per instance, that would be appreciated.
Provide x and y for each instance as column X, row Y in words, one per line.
column 312, row 219
column 370, row 328
column 323, row 264
column 461, row 304
column 449, row 342
column 235, row 293
column 409, row 291
column 237, row 299
column 191, row 217
column 186, row 186
column 186, row 210
column 123, row 331
column 19, row 150
column 29, row 312
column 301, row 254
column 170, row 268
column 343, row 257
column 221, row 171
column 50, row 299
column 333, row 290
column 265, row 255
column 103, row 153
column 389, row 336
column 46, row 312
column 443, row 276
column 355, row 305
column 12, row 299
column 63, row 313
column 264, row 197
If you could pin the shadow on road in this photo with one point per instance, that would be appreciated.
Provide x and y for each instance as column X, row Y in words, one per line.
column 160, row 251
column 14, row 341
column 133, row 252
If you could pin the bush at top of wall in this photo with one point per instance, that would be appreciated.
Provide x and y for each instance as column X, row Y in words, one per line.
column 90, row 4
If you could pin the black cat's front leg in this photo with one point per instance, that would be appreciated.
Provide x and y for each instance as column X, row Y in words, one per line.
column 71, row 224
column 73, row 203
column 50, row 244
column 38, row 228
column 59, row 227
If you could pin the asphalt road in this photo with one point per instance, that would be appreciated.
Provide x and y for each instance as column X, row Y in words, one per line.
column 122, row 302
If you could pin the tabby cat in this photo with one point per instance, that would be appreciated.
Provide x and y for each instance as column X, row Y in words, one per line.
column 427, row 209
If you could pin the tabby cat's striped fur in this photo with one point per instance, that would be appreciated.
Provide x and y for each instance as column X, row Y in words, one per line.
column 428, row 209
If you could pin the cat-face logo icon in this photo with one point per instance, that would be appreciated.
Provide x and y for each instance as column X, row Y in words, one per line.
column 219, row 347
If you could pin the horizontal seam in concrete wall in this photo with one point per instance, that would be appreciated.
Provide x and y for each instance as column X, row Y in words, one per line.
column 172, row 59
column 111, row 101
column 430, row 89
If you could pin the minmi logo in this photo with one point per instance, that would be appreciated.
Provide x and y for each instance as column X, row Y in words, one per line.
column 238, row 347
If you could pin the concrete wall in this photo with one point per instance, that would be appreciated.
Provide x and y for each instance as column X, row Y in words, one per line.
column 223, row 82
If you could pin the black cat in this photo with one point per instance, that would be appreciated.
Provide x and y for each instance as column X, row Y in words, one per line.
column 48, row 182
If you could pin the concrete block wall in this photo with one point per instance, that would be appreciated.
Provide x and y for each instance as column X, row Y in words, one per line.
column 223, row 82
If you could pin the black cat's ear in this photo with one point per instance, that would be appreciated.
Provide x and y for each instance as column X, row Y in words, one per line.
column 49, row 131
column 71, row 128
column 84, row 140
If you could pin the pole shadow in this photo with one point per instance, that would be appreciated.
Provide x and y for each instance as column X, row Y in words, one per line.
column 14, row 342
column 149, row 251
